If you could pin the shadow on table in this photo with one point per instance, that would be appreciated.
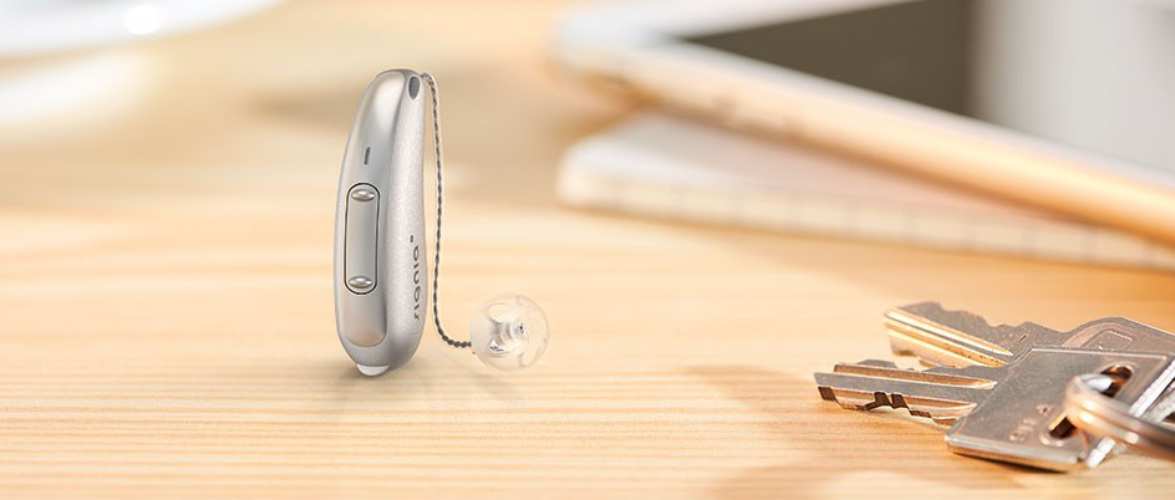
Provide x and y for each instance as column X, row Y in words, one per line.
column 415, row 379
column 884, row 442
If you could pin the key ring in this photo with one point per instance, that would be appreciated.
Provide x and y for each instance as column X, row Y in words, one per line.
column 1091, row 411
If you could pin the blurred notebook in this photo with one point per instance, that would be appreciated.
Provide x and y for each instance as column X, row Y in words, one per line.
column 669, row 167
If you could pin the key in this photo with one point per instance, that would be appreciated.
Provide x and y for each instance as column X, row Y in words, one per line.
column 939, row 337
column 1012, row 413
column 960, row 338
column 940, row 394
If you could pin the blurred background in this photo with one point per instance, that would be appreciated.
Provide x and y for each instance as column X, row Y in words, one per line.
column 199, row 107
column 701, row 196
column 179, row 142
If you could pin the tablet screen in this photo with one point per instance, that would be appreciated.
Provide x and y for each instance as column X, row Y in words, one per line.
column 1095, row 74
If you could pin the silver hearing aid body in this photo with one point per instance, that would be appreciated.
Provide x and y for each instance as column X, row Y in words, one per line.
column 380, row 275
column 380, row 265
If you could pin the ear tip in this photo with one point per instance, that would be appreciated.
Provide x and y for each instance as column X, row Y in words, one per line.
column 510, row 332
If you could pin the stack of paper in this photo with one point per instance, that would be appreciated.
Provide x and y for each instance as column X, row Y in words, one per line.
column 675, row 168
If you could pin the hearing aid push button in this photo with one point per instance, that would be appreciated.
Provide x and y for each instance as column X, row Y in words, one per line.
column 362, row 194
column 360, row 282
column 361, row 247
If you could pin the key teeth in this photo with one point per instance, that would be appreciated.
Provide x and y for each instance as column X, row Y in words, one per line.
column 896, row 401
column 900, row 350
column 939, row 394
column 880, row 363
column 939, row 336
column 935, row 310
column 880, row 400
column 875, row 363
column 992, row 373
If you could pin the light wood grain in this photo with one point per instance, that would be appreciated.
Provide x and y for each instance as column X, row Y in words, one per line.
column 166, row 325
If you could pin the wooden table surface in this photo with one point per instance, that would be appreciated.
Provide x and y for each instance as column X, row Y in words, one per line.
column 166, row 318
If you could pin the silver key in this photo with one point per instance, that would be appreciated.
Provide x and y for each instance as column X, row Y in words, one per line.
column 1012, row 413
column 959, row 338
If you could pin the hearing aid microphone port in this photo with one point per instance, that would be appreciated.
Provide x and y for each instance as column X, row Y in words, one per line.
column 413, row 87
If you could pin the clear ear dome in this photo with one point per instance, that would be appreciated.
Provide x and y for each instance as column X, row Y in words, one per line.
column 509, row 332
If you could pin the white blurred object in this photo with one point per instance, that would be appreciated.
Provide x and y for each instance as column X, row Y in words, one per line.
column 673, row 168
column 1097, row 74
column 30, row 27
column 41, row 91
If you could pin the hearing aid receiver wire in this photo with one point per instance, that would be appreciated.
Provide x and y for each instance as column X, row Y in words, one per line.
column 436, row 266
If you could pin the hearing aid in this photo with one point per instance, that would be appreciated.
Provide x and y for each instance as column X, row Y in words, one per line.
column 381, row 270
